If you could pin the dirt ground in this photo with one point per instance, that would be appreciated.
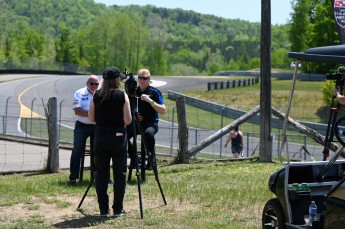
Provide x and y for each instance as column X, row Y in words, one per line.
column 52, row 215
column 48, row 213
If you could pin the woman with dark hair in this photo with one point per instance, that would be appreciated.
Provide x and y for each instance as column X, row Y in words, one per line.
column 236, row 139
column 110, row 109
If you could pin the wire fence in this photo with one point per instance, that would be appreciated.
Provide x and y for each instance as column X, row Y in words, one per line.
column 24, row 136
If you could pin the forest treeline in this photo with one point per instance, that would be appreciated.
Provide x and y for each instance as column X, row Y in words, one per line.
column 85, row 36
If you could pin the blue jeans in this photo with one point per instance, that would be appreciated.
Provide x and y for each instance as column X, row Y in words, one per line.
column 81, row 133
column 110, row 144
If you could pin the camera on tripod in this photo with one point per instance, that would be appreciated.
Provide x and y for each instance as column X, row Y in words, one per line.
column 339, row 76
column 130, row 84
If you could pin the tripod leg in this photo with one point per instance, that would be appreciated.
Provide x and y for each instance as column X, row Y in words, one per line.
column 139, row 188
column 87, row 190
column 129, row 174
column 149, row 156
column 143, row 162
column 330, row 128
column 131, row 157
column 135, row 158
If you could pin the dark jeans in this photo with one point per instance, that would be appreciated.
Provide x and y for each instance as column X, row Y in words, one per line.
column 110, row 144
column 81, row 133
column 149, row 129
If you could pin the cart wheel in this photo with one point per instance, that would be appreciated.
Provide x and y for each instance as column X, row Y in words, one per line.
column 273, row 215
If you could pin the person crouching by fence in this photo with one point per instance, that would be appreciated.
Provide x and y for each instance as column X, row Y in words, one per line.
column 236, row 138
column 110, row 109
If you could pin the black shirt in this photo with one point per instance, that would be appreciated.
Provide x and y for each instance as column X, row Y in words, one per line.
column 109, row 113
column 145, row 109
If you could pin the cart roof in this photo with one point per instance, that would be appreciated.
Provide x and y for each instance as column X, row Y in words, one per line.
column 329, row 54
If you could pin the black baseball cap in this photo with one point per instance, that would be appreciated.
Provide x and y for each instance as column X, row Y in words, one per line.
column 111, row 73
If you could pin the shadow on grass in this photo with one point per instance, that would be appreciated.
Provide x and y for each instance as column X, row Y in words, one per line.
column 323, row 113
column 85, row 221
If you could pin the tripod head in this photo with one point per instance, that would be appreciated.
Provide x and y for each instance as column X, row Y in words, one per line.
column 130, row 84
column 339, row 78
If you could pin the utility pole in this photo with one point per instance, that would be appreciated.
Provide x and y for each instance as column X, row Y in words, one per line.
column 265, row 152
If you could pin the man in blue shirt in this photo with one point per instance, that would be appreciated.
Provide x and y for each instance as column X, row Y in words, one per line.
column 150, row 104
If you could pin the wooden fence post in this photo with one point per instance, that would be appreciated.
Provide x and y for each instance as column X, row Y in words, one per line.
column 183, row 154
column 53, row 152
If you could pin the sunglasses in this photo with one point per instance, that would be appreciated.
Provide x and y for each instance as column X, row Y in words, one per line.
column 143, row 78
column 94, row 84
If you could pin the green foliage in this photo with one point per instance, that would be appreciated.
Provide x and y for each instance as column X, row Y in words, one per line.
column 66, row 51
column 82, row 35
column 300, row 27
column 327, row 91
column 279, row 58
column 313, row 25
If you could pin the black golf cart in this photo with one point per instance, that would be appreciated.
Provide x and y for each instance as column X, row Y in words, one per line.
column 325, row 180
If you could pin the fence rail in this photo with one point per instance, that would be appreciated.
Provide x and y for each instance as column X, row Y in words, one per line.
column 24, row 140
column 231, row 83
column 233, row 113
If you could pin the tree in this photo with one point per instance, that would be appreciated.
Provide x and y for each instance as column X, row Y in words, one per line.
column 313, row 25
column 279, row 58
column 34, row 46
column 66, row 52
column 300, row 28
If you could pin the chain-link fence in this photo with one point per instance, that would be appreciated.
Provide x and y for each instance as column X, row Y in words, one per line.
column 27, row 126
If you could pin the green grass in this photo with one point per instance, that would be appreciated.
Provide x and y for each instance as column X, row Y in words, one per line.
column 202, row 194
column 306, row 102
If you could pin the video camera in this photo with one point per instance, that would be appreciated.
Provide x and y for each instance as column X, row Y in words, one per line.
column 339, row 76
column 130, row 84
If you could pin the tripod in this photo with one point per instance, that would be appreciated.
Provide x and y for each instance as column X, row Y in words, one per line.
column 135, row 157
column 150, row 157
column 330, row 129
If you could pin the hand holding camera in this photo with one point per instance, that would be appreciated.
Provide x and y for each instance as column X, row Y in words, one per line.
column 336, row 91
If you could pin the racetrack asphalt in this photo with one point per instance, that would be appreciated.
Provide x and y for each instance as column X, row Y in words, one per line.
column 16, row 156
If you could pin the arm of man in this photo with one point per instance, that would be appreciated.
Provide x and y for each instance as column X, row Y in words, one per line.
column 80, row 112
column 91, row 112
column 160, row 108
column 77, row 101
column 341, row 98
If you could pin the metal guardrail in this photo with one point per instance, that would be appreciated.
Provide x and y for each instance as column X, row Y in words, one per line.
column 231, row 83
column 233, row 113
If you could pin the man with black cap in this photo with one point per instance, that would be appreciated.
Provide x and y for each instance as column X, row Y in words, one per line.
column 110, row 109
